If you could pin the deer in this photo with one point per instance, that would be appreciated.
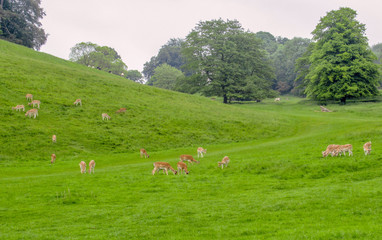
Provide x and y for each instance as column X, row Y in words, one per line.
column 330, row 149
column 163, row 166
column 31, row 112
column 346, row 148
column 35, row 102
column 83, row 167
column 277, row 99
column 144, row 152
column 29, row 97
column 188, row 158
column 52, row 158
column 367, row 148
column 105, row 116
column 182, row 167
column 54, row 138
column 78, row 101
column 19, row 107
column 121, row 110
column 91, row 166
column 224, row 161
column 201, row 150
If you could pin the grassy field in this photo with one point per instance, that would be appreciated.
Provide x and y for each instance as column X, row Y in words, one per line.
column 277, row 185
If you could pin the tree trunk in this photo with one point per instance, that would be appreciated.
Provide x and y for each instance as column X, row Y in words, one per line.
column 343, row 101
column 225, row 99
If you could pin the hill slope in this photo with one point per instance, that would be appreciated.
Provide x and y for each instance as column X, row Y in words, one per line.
column 156, row 119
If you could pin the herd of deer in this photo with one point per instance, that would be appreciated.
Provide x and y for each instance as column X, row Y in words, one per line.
column 335, row 150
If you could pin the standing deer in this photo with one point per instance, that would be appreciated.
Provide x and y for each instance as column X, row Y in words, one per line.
column 224, row 161
column 35, row 102
column 31, row 112
column 182, row 167
column 200, row 151
column 163, row 166
column 121, row 110
column 91, row 166
column 54, row 138
column 188, row 158
column 144, row 152
column 83, row 167
column 367, row 148
column 19, row 107
column 78, row 101
column 105, row 116
column 53, row 158
column 29, row 97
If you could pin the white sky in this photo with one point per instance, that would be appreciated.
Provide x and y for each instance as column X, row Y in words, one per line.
column 137, row 29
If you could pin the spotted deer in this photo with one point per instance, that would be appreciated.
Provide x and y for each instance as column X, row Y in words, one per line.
column 121, row 110
column 182, row 167
column 346, row 148
column 52, row 158
column 224, row 161
column 83, row 167
column 78, row 101
column 35, row 102
column 91, row 166
column 32, row 112
column 188, row 158
column 330, row 149
column 144, row 153
column 54, row 138
column 163, row 166
column 29, row 97
column 277, row 99
column 19, row 107
column 105, row 116
column 200, row 151
column 367, row 148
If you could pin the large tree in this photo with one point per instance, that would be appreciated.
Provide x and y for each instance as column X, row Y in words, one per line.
column 165, row 76
column 341, row 62
column 20, row 22
column 226, row 57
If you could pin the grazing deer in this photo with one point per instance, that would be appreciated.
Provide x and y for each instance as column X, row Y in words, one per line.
column 224, row 161
column 121, row 110
column 367, row 148
column 201, row 151
column 53, row 158
column 29, row 97
column 31, row 112
column 91, row 166
column 54, row 138
column 78, row 101
column 188, row 158
column 277, row 99
column 346, row 148
column 330, row 149
column 163, row 166
column 182, row 167
column 105, row 116
column 83, row 167
column 144, row 152
column 19, row 107
column 35, row 102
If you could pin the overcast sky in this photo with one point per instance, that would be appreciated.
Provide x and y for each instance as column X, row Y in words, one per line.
column 137, row 29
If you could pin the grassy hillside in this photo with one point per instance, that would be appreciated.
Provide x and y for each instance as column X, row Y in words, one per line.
column 277, row 185
column 156, row 119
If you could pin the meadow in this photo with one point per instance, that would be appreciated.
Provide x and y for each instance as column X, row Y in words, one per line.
column 277, row 185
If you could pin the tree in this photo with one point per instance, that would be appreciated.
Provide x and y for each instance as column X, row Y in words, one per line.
column 224, row 56
column 103, row 58
column 134, row 75
column 20, row 22
column 165, row 76
column 341, row 63
column 377, row 50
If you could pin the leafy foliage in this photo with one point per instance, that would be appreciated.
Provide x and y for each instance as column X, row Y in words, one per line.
column 165, row 77
column 20, row 22
column 134, row 75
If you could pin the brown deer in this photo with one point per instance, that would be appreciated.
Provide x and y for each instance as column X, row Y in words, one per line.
column 188, row 158
column 53, row 158
column 91, row 166
column 78, row 101
column 163, row 166
column 144, row 152
column 367, row 148
column 19, row 107
column 224, row 161
column 83, row 167
column 121, row 110
column 54, row 138
column 105, row 116
column 35, row 102
column 29, row 97
column 31, row 112
column 200, row 151
column 182, row 167
column 330, row 149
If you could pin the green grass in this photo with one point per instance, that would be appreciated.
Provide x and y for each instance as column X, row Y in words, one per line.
column 277, row 185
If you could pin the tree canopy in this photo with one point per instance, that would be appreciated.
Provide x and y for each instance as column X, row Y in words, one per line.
column 227, row 58
column 20, row 22
column 341, row 63
column 165, row 76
